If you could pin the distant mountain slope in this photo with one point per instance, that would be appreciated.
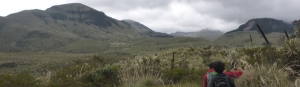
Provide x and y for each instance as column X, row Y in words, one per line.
column 144, row 30
column 273, row 29
column 205, row 33
column 268, row 25
column 67, row 27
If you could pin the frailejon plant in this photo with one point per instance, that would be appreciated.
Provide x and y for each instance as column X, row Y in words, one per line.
column 296, row 27
column 291, row 47
column 291, row 50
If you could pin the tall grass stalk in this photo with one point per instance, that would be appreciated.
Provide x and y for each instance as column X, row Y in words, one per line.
column 140, row 72
column 264, row 76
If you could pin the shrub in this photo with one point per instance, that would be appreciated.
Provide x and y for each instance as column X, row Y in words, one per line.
column 98, row 59
column 175, row 74
column 149, row 83
column 68, row 77
column 184, row 75
column 19, row 80
column 9, row 65
column 105, row 77
column 67, row 82
column 262, row 54
column 78, row 61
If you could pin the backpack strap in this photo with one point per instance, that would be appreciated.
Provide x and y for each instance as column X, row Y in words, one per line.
column 210, row 76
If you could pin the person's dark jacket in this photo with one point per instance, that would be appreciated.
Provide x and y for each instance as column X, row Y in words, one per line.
column 219, row 75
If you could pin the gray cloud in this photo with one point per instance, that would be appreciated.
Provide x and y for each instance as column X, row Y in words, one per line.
column 193, row 15
column 243, row 10
column 126, row 4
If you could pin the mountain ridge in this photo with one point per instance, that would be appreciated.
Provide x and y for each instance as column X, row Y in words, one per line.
column 240, row 37
column 66, row 25
column 274, row 25
column 208, row 34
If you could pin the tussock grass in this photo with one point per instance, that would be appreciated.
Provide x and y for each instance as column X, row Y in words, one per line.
column 264, row 76
column 140, row 71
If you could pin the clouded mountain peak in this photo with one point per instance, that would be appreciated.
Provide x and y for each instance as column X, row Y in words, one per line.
column 70, row 7
column 80, row 13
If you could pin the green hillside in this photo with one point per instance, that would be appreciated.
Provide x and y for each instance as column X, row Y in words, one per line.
column 74, row 28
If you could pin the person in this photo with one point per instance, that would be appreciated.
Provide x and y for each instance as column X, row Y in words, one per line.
column 211, row 70
column 232, row 74
column 220, row 79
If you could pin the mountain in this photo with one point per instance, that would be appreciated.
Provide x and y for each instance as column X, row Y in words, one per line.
column 205, row 33
column 144, row 30
column 268, row 25
column 240, row 37
column 68, row 27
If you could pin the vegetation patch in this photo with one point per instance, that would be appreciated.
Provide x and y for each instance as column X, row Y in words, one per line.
column 9, row 65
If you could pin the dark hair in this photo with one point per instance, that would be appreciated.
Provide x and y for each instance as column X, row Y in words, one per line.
column 211, row 65
column 219, row 66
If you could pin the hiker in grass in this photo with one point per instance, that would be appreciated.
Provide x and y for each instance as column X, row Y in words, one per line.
column 220, row 79
column 211, row 72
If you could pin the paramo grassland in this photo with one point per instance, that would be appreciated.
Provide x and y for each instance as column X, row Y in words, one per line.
column 263, row 66
column 73, row 45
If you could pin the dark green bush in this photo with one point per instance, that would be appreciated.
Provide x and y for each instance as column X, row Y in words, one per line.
column 78, row 61
column 105, row 77
column 196, row 75
column 68, row 82
column 80, row 74
column 19, row 80
column 9, row 65
column 262, row 54
column 149, row 83
column 68, row 77
column 98, row 59
column 184, row 75
column 175, row 74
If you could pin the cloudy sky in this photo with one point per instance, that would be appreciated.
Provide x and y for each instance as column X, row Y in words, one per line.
column 176, row 15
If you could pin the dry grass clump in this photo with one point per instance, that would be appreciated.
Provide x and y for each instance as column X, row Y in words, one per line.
column 140, row 72
column 263, row 76
column 297, row 82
